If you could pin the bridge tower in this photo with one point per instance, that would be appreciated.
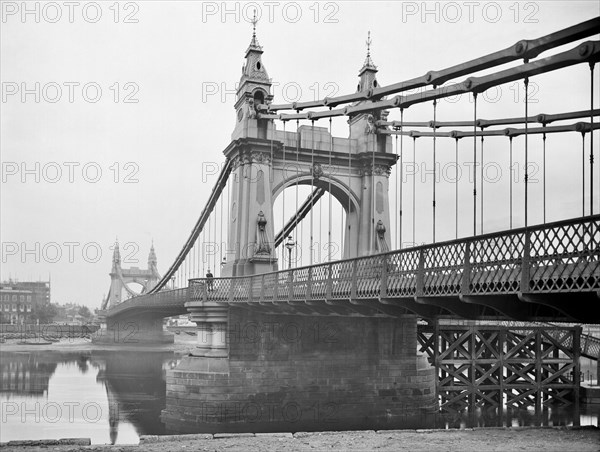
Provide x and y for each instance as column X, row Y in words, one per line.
column 251, row 236
column 120, row 277
column 266, row 161
column 245, row 345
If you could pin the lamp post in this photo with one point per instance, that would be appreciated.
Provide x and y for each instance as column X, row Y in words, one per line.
column 290, row 244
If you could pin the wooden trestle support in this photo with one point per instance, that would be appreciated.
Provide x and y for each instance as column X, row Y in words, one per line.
column 499, row 367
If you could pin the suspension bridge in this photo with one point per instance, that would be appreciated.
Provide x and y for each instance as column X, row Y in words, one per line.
column 274, row 263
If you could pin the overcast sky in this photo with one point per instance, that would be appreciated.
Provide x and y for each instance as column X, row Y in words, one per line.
column 126, row 104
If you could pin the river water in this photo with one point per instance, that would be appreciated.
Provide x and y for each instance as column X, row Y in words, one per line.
column 115, row 396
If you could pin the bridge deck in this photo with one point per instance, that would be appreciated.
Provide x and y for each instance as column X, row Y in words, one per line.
column 541, row 265
column 546, row 272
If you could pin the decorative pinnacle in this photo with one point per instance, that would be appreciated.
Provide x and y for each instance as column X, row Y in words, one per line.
column 254, row 21
column 368, row 61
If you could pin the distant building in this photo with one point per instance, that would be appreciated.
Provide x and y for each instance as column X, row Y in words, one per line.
column 19, row 300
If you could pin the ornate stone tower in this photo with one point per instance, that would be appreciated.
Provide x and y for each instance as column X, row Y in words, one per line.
column 251, row 237
column 375, row 153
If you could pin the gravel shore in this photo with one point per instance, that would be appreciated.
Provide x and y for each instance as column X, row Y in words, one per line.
column 465, row 440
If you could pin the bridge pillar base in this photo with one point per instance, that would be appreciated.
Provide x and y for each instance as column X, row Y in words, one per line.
column 295, row 373
column 211, row 319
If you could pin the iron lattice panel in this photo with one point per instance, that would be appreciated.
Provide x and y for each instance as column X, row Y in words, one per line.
column 444, row 269
column 270, row 287
column 368, row 276
column 496, row 264
column 341, row 277
column 196, row 290
column 565, row 258
column 240, row 289
column 218, row 289
column 402, row 273
column 256, row 288
column 319, row 276
column 300, row 283
column 283, row 285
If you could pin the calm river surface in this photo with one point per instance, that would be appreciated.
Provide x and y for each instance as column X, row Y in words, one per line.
column 116, row 396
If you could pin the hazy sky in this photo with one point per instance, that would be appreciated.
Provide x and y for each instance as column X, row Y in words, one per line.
column 114, row 114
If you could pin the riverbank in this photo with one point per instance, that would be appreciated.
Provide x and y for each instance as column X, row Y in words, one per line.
column 528, row 439
column 183, row 344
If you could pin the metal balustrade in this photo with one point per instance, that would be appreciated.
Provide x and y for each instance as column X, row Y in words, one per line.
column 556, row 257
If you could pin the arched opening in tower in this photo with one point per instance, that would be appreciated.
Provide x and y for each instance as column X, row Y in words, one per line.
column 259, row 98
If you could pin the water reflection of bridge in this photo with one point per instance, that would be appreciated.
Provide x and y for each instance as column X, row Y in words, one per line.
column 135, row 388
column 134, row 382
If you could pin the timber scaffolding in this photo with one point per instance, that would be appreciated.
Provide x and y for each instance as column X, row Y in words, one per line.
column 506, row 365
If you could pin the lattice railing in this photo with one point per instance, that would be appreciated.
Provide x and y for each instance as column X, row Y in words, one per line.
column 552, row 258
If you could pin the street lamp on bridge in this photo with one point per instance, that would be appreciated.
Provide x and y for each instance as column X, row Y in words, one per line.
column 290, row 244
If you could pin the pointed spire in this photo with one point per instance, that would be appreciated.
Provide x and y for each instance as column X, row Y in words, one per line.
column 368, row 64
column 254, row 45
column 254, row 74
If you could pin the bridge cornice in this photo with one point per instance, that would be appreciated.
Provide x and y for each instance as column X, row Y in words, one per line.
column 255, row 150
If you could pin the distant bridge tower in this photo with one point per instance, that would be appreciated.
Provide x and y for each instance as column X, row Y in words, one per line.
column 120, row 278
column 267, row 161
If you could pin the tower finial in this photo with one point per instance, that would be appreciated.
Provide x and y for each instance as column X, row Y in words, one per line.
column 254, row 43
column 368, row 64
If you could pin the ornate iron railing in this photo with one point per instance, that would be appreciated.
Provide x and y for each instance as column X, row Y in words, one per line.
column 560, row 257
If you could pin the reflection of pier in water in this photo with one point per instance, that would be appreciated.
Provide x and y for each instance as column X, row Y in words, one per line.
column 135, row 388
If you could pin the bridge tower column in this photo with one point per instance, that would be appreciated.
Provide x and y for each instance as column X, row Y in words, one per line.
column 375, row 158
column 250, row 242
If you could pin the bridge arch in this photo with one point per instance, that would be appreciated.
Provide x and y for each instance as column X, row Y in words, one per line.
column 340, row 190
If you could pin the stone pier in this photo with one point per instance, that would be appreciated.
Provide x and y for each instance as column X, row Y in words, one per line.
column 295, row 373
